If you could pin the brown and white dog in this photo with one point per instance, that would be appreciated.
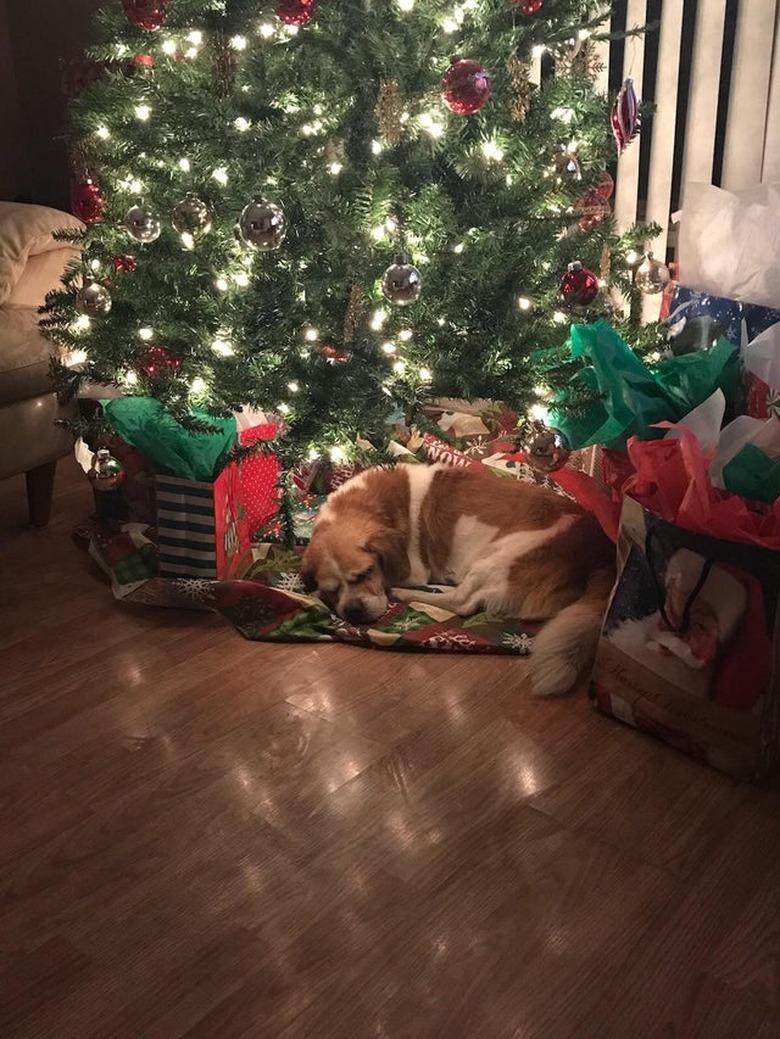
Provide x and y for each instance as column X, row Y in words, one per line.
column 512, row 548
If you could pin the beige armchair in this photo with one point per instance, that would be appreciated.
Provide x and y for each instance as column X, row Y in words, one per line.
column 31, row 263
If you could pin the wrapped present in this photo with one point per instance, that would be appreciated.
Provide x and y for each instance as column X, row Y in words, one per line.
column 687, row 648
column 202, row 529
column 259, row 474
column 727, row 317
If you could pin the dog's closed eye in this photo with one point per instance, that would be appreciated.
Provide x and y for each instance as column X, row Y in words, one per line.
column 362, row 576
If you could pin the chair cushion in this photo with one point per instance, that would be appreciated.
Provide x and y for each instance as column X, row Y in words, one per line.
column 24, row 355
column 27, row 231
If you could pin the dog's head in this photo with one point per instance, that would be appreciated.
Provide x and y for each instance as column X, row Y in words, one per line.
column 351, row 563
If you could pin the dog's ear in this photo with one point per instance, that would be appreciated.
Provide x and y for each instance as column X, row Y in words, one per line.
column 309, row 566
column 390, row 549
column 308, row 580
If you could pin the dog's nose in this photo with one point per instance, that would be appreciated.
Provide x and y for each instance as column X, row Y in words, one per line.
column 355, row 615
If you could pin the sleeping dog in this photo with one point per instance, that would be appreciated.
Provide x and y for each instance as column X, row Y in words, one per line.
column 511, row 548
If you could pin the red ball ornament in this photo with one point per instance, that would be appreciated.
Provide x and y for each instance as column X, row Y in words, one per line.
column 605, row 185
column 124, row 264
column 158, row 360
column 332, row 355
column 146, row 14
column 466, row 86
column 591, row 210
column 143, row 61
column 88, row 202
column 531, row 6
column 295, row 12
column 579, row 285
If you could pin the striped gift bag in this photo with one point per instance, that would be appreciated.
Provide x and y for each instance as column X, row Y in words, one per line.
column 202, row 527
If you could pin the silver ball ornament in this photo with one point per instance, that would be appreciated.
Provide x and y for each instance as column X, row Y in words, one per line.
column 651, row 276
column 191, row 216
column 401, row 282
column 545, row 449
column 142, row 224
column 262, row 224
column 93, row 299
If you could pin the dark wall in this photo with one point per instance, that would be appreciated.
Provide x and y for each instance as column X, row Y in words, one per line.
column 37, row 40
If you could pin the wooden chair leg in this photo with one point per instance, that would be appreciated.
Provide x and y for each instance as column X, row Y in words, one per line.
column 40, row 488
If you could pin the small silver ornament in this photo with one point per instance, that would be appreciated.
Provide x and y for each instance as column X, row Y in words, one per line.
column 401, row 282
column 142, row 224
column 93, row 299
column 191, row 216
column 566, row 163
column 545, row 449
column 262, row 224
column 106, row 472
column 651, row 276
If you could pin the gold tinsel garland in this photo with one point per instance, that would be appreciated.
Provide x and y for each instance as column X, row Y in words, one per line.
column 519, row 76
column 354, row 310
column 388, row 111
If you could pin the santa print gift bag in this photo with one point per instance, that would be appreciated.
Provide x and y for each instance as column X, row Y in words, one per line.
column 690, row 649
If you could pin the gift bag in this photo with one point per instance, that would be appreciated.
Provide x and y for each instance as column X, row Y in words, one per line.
column 690, row 649
column 202, row 527
column 259, row 475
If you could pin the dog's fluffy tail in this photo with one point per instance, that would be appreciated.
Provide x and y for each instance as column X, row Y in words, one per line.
column 567, row 643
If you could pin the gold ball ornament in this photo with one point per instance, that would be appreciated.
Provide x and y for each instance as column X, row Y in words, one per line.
column 93, row 299
column 191, row 216
column 545, row 449
column 651, row 276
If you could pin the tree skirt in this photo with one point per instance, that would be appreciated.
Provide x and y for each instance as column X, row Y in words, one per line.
column 268, row 603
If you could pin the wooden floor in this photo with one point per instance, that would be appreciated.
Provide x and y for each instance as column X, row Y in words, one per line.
column 210, row 838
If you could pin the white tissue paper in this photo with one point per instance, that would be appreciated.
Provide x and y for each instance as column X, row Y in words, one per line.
column 729, row 244
column 762, row 357
column 703, row 421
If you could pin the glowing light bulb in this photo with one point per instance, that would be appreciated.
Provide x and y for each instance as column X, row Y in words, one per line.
column 146, row 334
column 440, row 322
column 492, row 152
column 378, row 232
column 559, row 317
column 564, row 114
column 291, row 30
column 241, row 124
column 103, row 133
column 266, row 30
column 135, row 186
column 196, row 37
column 241, row 279
column 632, row 257
column 220, row 176
column 169, row 47
column 399, row 366
column 458, row 248
column 539, row 413
column 405, row 335
column 388, row 348
column 238, row 43
column 583, row 34
column 523, row 303
column 377, row 147
column 425, row 374
column 378, row 319
column 142, row 112
column 337, row 455
column 198, row 385
column 293, row 387
column 335, row 168
column 449, row 25
column 221, row 284
column 82, row 323
column 311, row 335
column 191, row 52
column 223, row 348
column 184, row 165
column 283, row 408
column 313, row 454
column 542, row 391
column 131, row 379
column 406, row 5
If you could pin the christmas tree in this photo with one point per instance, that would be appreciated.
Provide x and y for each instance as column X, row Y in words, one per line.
column 337, row 210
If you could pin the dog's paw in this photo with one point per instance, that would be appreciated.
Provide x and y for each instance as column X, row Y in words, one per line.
column 403, row 594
